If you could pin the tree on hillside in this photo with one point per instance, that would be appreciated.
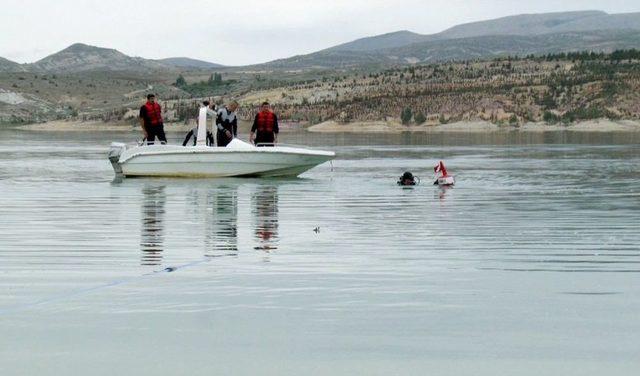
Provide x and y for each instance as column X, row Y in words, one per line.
column 420, row 118
column 180, row 82
column 215, row 79
column 550, row 117
column 406, row 116
column 548, row 101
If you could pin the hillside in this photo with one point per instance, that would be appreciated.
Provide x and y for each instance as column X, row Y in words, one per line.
column 81, row 58
column 389, row 40
column 521, row 34
column 546, row 23
column 10, row 66
column 503, row 45
column 523, row 24
column 555, row 88
column 27, row 97
column 188, row 63
column 483, row 47
column 91, row 82
column 329, row 59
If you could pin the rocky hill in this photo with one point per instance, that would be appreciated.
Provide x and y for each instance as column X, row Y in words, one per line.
column 10, row 66
column 81, row 58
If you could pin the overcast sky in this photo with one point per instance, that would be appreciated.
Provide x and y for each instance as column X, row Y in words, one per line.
column 242, row 32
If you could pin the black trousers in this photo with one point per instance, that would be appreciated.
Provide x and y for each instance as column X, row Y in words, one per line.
column 154, row 131
column 265, row 138
column 195, row 138
column 223, row 140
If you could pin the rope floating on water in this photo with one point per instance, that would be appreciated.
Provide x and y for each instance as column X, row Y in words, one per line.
column 72, row 294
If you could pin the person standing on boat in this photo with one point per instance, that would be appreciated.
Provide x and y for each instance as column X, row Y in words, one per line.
column 194, row 131
column 227, row 124
column 151, row 120
column 264, row 131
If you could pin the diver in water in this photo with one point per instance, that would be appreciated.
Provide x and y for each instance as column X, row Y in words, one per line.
column 407, row 179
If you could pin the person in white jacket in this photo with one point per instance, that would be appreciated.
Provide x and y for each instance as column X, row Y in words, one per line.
column 194, row 131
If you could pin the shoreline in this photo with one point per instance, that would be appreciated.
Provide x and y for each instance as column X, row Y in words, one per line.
column 87, row 126
column 598, row 125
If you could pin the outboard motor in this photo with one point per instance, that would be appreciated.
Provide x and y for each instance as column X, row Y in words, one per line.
column 407, row 179
column 115, row 150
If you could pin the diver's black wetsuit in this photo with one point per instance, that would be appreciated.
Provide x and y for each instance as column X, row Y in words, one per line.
column 194, row 132
column 226, row 121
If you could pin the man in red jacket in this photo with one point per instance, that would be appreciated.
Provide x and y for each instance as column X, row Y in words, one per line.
column 151, row 121
column 265, row 127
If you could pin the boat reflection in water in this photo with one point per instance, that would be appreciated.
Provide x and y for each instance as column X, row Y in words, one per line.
column 222, row 223
column 152, row 228
column 265, row 216
column 216, row 214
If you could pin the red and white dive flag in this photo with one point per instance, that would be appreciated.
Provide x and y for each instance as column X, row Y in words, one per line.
column 441, row 169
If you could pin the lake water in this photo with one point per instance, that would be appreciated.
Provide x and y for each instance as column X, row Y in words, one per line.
column 529, row 266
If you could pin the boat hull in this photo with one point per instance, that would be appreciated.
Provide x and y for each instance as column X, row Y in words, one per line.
column 212, row 162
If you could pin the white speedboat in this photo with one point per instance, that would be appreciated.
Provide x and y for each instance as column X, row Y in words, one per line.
column 236, row 159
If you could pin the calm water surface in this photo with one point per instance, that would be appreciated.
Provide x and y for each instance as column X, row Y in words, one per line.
column 529, row 266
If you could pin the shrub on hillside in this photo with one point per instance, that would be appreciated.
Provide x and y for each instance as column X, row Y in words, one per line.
column 550, row 117
column 420, row 118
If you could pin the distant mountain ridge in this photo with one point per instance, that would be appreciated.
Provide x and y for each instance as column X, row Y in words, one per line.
column 186, row 62
column 482, row 47
column 521, row 45
column 527, row 24
column 523, row 24
column 519, row 34
column 80, row 57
